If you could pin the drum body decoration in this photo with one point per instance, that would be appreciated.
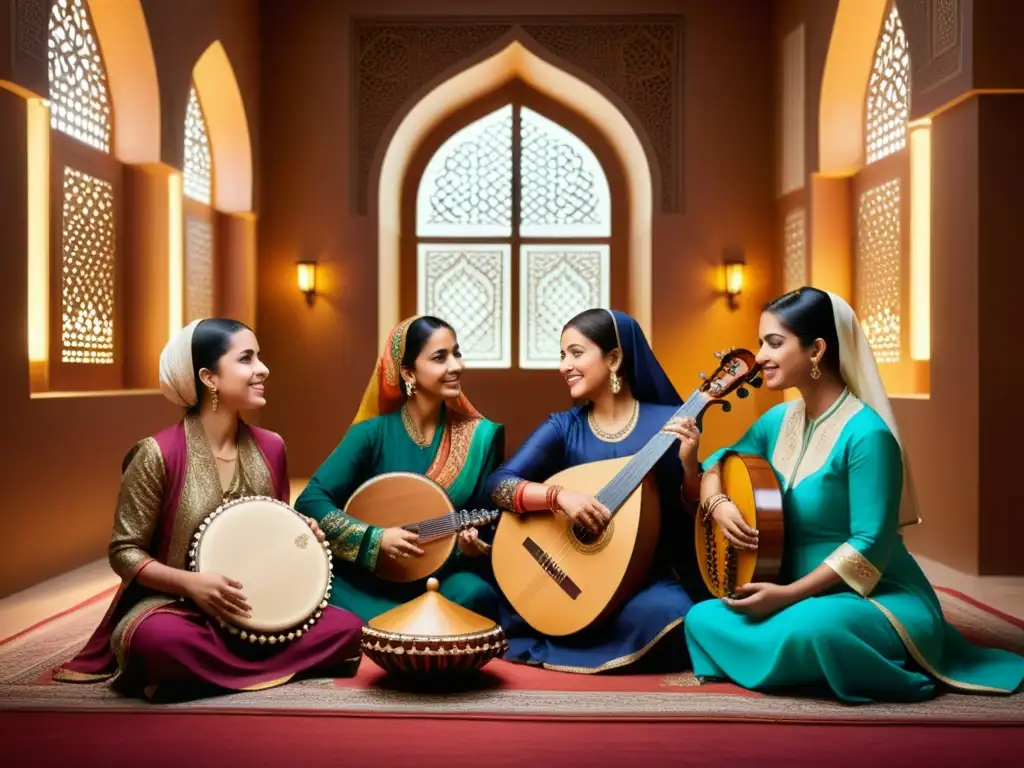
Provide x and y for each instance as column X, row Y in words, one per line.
column 270, row 549
column 431, row 635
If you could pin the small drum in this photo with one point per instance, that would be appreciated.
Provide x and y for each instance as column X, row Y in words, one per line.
column 431, row 636
column 269, row 548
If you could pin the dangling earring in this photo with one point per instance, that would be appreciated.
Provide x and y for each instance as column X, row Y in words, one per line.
column 815, row 370
column 410, row 388
column 615, row 383
column 214, row 398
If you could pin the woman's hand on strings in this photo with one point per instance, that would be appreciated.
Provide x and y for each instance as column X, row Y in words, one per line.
column 218, row 596
column 471, row 545
column 759, row 600
column 734, row 527
column 689, row 440
column 398, row 542
column 583, row 510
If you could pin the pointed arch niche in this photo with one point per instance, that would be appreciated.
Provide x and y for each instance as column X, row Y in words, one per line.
column 871, row 198
column 515, row 74
column 215, row 272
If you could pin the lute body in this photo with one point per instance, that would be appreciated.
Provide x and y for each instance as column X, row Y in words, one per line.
column 418, row 504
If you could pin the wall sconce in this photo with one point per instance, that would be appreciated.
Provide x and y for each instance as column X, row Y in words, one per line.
column 306, row 276
column 734, row 264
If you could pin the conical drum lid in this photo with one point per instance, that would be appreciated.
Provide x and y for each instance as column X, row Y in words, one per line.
column 432, row 615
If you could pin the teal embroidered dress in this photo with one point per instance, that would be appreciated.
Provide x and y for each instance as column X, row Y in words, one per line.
column 880, row 634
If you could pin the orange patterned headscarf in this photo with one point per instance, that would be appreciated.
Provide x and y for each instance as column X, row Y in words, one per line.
column 385, row 393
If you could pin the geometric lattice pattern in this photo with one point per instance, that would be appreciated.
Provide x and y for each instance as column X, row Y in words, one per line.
column 564, row 191
column 557, row 282
column 470, row 287
column 877, row 269
column 466, row 189
column 87, row 276
column 888, row 99
column 795, row 254
column 79, row 96
column 198, row 269
column 198, row 164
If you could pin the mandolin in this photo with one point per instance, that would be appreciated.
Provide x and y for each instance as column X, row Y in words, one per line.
column 418, row 504
column 561, row 578
column 750, row 482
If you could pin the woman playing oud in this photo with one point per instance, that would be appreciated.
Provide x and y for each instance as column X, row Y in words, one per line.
column 852, row 610
column 160, row 629
column 413, row 418
column 606, row 360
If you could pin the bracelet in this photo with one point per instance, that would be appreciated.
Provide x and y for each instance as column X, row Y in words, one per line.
column 551, row 498
column 710, row 504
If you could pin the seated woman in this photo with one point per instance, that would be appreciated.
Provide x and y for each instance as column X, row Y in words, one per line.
column 162, row 626
column 607, row 361
column 852, row 610
column 413, row 418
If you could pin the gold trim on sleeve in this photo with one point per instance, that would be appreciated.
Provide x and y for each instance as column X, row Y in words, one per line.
column 855, row 569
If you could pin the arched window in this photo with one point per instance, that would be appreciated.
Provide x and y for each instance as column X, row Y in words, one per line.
column 512, row 211
column 85, row 274
column 882, row 210
column 199, row 278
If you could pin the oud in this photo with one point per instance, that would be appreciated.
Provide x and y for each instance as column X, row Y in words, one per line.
column 561, row 578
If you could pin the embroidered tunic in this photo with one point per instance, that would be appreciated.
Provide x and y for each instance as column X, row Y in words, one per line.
column 880, row 634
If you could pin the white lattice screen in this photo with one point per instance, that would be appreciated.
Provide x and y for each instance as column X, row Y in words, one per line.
column 877, row 269
column 888, row 97
column 79, row 96
column 795, row 254
column 198, row 163
column 199, row 278
column 88, row 270
column 467, row 194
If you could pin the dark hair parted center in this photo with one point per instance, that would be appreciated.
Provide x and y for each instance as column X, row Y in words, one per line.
column 598, row 325
column 420, row 331
column 807, row 312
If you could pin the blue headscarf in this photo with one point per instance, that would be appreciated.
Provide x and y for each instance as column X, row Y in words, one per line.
column 647, row 379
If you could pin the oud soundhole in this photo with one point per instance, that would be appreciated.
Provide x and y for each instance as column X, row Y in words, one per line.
column 585, row 541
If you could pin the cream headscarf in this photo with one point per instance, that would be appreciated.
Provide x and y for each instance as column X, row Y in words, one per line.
column 177, row 378
column 860, row 371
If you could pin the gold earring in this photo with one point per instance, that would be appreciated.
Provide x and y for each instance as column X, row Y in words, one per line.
column 815, row 370
column 410, row 388
column 615, row 383
column 214, row 398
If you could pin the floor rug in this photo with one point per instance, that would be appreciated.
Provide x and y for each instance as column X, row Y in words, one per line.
column 504, row 691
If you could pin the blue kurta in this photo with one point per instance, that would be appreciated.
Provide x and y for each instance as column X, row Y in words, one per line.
column 655, row 614
column 880, row 634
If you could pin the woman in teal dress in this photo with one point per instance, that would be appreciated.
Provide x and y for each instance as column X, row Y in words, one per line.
column 852, row 610
column 413, row 418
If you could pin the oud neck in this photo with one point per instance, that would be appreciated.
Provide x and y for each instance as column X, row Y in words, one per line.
column 629, row 478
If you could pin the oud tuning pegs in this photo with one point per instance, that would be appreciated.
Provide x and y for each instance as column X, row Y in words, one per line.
column 742, row 392
column 719, row 355
column 703, row 376
column 756, row 382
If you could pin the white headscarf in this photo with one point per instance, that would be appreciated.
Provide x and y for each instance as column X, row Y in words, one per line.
column 177, row 377
column 860, row 371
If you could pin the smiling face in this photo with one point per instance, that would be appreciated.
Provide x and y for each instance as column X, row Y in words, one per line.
column 438, row 369
column 240, row 377
column 784, row 360
column 584, row 365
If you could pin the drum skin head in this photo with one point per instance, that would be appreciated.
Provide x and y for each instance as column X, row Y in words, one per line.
column 270, row 550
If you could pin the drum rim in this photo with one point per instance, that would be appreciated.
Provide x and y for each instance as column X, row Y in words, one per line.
column 496, row 632
column 256, row 636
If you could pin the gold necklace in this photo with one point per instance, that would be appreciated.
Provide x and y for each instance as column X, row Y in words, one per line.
column 412, row 430
column 622, row 434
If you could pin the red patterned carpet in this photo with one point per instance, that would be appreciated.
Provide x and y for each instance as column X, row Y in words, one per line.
column 526, row 715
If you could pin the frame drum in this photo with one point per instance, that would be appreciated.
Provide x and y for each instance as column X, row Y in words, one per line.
column 266, row 546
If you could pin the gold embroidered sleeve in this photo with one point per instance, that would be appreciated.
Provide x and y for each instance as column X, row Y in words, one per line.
column 855, row 569
column 504, row 493
column 352, row 540
column 139, row 502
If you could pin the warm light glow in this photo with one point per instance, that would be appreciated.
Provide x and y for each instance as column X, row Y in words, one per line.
column 734, row 279
column 175, row 254
column 38, row 118
column 920, row 239
column 306, row 276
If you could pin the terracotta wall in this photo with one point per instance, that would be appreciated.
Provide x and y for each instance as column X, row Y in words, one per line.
column 727, row 139
column 61, row 456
